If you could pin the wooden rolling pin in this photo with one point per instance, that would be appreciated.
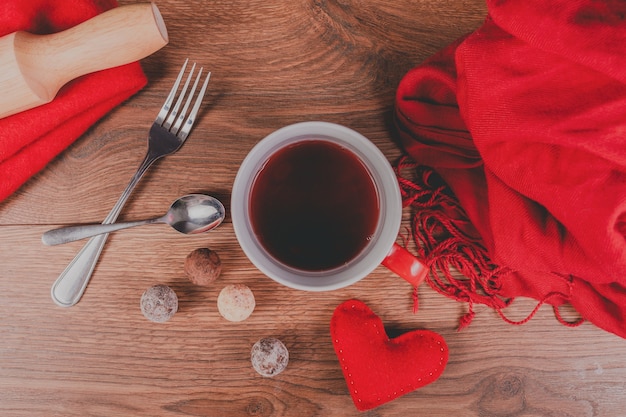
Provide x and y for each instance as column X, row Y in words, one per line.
column 34, row 67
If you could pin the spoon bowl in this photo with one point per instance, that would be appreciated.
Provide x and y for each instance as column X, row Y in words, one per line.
column 195, row 213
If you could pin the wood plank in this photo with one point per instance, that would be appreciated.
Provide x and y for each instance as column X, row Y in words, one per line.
column 273, row 63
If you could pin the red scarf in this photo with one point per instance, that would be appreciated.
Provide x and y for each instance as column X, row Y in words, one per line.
column 525, row 121
column 31, row 139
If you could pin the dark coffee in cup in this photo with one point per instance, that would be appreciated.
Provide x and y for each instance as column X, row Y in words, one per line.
column 314, row 205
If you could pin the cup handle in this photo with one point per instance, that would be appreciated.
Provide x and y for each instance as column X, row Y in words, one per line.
column 406, row 265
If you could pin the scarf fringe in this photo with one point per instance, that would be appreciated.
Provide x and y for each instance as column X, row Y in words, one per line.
column 459, row 265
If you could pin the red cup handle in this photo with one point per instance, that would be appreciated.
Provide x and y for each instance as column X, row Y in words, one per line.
column 406, row 265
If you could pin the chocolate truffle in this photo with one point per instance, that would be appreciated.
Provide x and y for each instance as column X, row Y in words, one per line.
column 235, row 302
column 269, row 357
column 159, row 303
column 203, row 266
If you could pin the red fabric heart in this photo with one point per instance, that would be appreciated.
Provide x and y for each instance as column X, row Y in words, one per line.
column 377, row 368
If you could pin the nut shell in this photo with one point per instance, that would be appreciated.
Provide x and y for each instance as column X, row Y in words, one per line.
column 203, row 266
column 269, row 357
column 236, row 302
column 159, row 303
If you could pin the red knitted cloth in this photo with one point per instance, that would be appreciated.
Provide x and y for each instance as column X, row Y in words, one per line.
column 31, row 139
column 524, row 120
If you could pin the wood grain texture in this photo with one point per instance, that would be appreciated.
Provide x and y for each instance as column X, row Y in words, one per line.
column 273, row 63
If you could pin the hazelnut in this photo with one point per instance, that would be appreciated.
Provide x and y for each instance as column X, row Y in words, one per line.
column 269, row 357
column 203, row 266
column 159, row 303
column 235, row 302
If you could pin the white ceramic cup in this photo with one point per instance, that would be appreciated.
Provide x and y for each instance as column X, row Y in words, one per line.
column 389, row 200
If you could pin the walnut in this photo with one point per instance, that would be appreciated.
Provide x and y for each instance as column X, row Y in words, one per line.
column 203, row 266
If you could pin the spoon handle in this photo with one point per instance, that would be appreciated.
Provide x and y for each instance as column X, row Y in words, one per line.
column 73, row 233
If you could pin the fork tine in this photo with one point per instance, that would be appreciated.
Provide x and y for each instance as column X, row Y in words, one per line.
column 170, row 98
column 172, row 117
column 181, row 115
column 186, row 128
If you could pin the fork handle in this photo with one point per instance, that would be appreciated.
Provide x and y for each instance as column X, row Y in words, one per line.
column 70, row 285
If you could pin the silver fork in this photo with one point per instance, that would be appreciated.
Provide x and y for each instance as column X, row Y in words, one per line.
column 167, row 134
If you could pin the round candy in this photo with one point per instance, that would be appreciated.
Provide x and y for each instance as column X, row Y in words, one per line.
column 203, row 266
column 159, row 303
column 269, row 357
column 235, row 302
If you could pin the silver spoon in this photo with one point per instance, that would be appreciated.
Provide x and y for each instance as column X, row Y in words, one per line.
column 190, row 214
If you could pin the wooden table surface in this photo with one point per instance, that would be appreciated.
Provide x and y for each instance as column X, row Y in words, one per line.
column 274, row 63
